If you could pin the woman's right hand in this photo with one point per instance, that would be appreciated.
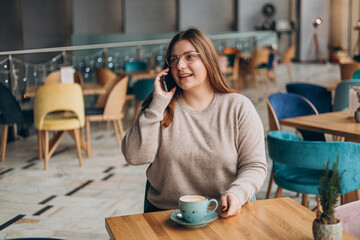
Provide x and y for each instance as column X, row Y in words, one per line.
column 158, row 87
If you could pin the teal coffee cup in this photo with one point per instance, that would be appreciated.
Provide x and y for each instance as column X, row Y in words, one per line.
column 194, row 208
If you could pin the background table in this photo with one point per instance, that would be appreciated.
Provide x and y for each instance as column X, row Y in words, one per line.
column 280, row 218
column 88, row 89
column 337, row 123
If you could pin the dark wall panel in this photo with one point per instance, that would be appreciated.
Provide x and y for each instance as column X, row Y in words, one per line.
column 11, row 26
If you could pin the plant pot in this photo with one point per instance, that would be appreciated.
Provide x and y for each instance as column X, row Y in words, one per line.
column 357, row 116
column 327, row 231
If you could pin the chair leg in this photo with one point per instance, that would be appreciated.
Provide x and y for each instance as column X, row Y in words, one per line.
column 87, row 125
column 108, row 125
column 357, row 193
column 305, row 198
column 278, row 192
column 271, row 180
column 78, row 145
column 116, row 130
column 4, row 133
column 121, row 128
column 39, row 138
column 46, row 148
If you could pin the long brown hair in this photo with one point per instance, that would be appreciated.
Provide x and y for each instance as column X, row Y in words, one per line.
column 210, row 59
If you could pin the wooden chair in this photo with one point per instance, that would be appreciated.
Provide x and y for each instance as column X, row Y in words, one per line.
column 108, row 79
column 111, row 112
column 258, row 66
column 55, row 77
column 58, row 107
column 287, row 58
column 347, row 69
column 285, row 105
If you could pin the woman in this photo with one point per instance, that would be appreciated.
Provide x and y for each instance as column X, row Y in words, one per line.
column 199, row 138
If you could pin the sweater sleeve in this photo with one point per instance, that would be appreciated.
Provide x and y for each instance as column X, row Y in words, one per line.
column 251, row 163
column 140, row 143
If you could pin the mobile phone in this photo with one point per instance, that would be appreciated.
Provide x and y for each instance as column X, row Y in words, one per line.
column 168, row 82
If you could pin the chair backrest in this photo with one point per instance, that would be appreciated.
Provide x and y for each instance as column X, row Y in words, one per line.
column 319, row 96
column 108, row 79
column 341, row 98
column 142, row 88
column 10, row 111
column 58, row 97
column 287, row 105
column 288, row 55
column 135, row 66
column 347, row 69
column 55, row 77
column 288, row 149
column 78, row 78
column 116, row 100
column 259, row 57
column 356, row 74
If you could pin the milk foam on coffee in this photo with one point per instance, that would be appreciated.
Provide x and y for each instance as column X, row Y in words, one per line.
column 192, row 198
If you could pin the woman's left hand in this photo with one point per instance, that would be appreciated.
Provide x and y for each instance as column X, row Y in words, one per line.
column 230, row 205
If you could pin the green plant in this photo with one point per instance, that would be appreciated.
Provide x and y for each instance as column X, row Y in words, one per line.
column 328, row 191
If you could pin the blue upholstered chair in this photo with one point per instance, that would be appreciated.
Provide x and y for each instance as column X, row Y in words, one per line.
column 319, row 96
column 142, row 89
column 341, row 99
column 356, row 74
column 287, row 105
column 135, row 66
column 298, row 165
column 129, row 68
column 10, row 113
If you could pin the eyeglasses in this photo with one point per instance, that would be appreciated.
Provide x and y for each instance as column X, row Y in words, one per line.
column 188, row 58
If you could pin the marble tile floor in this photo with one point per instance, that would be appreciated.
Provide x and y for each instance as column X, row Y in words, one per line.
column 71, row 202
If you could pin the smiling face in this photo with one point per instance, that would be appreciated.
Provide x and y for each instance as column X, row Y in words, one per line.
column 189, row 76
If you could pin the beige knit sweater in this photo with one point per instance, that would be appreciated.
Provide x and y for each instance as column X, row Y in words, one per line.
column 209, row 152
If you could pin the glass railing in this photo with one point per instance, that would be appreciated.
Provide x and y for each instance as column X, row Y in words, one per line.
column 109, row 51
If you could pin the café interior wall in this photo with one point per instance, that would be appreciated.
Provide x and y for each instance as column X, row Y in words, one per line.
column 10, row 25
column 307, row 12
column 50, row 23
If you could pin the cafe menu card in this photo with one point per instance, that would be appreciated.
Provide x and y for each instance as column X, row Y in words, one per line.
column 67, row 74
column 354, row 99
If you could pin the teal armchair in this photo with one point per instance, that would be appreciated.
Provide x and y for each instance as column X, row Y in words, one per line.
column 299, row 164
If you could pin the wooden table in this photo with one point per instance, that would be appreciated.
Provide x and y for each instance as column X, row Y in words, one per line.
column 336, row 123
column 88, row 89
column 280, row 218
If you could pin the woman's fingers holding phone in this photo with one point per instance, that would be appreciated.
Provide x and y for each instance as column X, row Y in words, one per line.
column 159, row 86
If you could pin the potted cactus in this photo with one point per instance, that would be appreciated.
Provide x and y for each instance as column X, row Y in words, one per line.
column 326, row 226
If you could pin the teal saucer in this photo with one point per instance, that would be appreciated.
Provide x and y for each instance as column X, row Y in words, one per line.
column 209, row 218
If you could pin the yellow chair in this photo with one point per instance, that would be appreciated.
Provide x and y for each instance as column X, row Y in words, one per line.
column 111, row 112
column 58, row 107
